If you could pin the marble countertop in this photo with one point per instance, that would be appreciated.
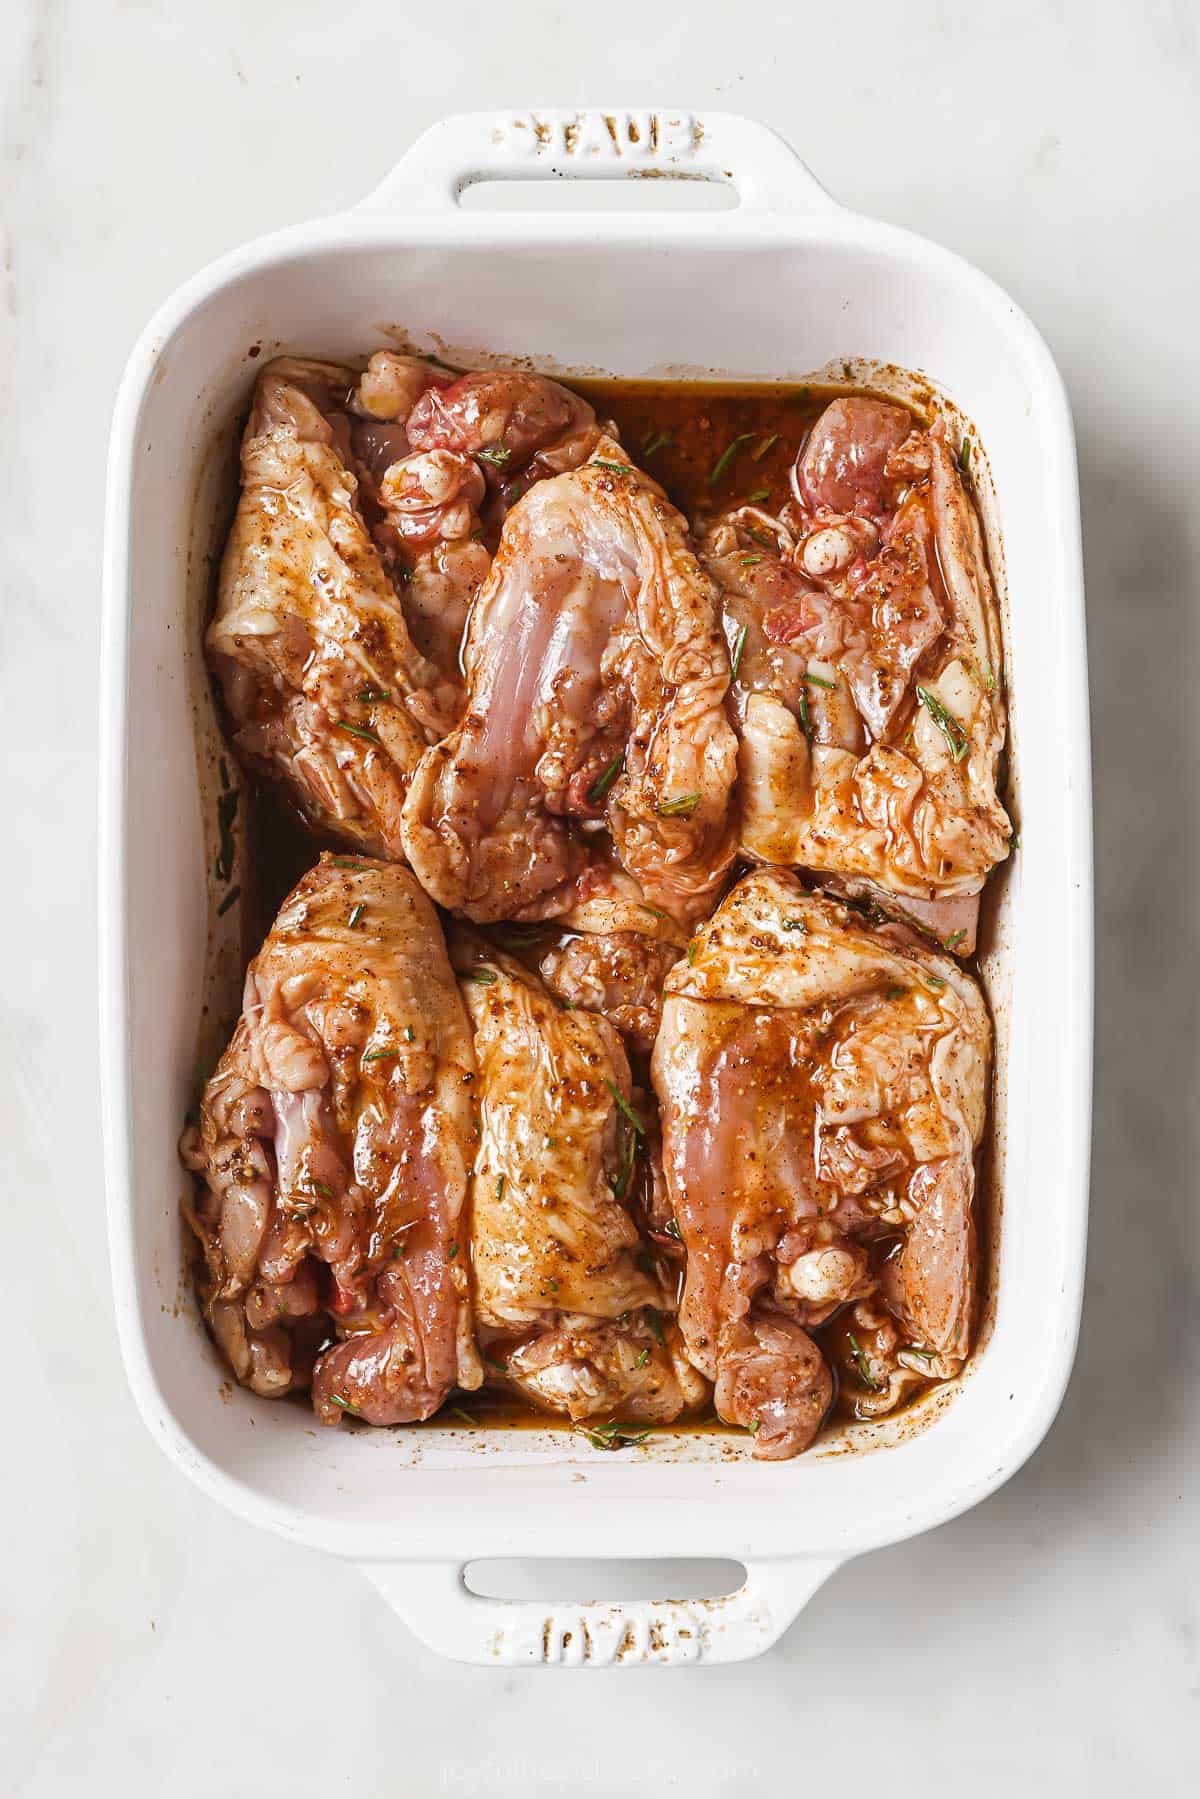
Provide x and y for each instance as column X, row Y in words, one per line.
column 1045, row 1642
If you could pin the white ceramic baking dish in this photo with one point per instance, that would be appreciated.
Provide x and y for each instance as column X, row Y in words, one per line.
column 786, row 284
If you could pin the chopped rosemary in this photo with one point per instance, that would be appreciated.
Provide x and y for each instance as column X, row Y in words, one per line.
column 359, row 731
column 482, row 977
column 754, row 1427
column 748, row 561
column 497, row 1366
column 345, row 1405
column 497, row 454
column 380, row 1055
column 624, row 1106
column 964, row 459
column 642, row 1359
column 760, row 450
column 611, row 1436
column 950, row 942
column 654, row 1320
column 805, row 720
column 355, row 914
column 626, row 1159
column 671, row 1229
column 691, row 954
column 727, row 455
column 320, row 1187
column 370, row 696
column 409, row 1033
column 658, row 441
column 935, row 981
column 654, row 911
column 859, row 1358
column 456, row 1411
column 738, row 647
column 618, row 468
column 818, row 680
column 795, row 924
column 895, row 992
column 453, row 1251
column 1014, row 842
column 686, row 803
column 946, row 723
column 500, row 1189
column 227, row 805
column 759, row 494
column 344, row 862
column 231, row 899
column 601, row 785
column 518, row 936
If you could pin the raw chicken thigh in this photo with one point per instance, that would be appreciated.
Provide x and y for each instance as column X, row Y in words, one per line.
column 325, row 687
column 570, row 1306
column 618, row 974
column 822, row 1085
column 519, row 426
column 867, row 644
column 334, row 1144
column 597, row 675
column 423, row 505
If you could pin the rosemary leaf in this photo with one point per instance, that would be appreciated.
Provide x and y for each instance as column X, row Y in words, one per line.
column 679, row 808
column 600, row 787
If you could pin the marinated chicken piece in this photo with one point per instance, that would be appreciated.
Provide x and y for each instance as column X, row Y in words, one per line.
column 597, row 674
column 423, row 507
column 326, row 690
column 618, row 974
column 822, row 1086
column 880, row 1371
column 843, row 467
column 635, row 1370
column 519, row 427
column 569, row 1304
column 380, row 404
column 334, row 1144
column 867, row 644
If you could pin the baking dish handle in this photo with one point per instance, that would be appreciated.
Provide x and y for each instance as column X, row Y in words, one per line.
column 439, row 1608
column 599, row 146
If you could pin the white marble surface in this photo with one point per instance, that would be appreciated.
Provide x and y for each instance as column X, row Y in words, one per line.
column 1047, row 1642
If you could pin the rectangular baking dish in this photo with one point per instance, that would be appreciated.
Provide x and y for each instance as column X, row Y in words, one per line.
column 787, row 284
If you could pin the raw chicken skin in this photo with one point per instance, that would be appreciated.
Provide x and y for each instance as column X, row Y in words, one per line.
column 597, row 674
column 618, row 974
column 569, row 1305
column 422, row 505
column 334, row 1144
column 868, row 695
column 520, row 427
column 822, row 1087
column 326, row 690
